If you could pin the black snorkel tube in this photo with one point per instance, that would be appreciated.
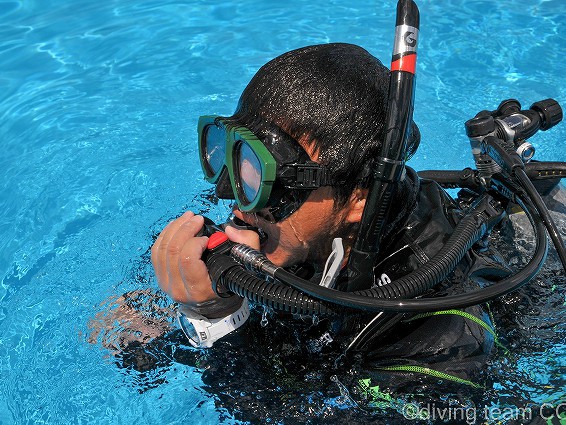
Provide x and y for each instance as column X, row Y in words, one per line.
column 389, row 166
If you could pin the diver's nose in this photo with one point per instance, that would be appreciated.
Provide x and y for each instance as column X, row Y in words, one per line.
column 223, row 187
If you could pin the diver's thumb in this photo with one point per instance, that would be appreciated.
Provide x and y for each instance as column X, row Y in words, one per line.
column 246, row 237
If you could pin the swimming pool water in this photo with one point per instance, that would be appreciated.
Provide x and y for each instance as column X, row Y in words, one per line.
column 98, row 106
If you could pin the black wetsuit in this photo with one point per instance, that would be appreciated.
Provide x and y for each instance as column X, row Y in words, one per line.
column 452, row 344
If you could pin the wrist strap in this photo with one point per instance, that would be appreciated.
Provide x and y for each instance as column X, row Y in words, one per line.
column 216, row 308
column 203, row 332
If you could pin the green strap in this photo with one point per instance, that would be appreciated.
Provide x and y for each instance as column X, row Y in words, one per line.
column 376, row 396
column 430, row 372
column 465, row 315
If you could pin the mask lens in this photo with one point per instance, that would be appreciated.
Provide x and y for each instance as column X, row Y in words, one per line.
column 249, row 172
column 214, row 149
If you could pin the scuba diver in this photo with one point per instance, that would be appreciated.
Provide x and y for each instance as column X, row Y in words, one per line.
column 351, row 249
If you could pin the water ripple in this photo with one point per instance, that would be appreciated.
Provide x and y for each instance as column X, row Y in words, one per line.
column 98, row 103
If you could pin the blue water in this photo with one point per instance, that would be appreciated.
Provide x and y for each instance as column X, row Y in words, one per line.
column 98, row 106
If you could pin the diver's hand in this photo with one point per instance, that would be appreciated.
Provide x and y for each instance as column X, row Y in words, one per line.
column 246, row 237
column 177, row 258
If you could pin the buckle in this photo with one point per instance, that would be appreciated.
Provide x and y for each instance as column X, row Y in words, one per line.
column 304, row 176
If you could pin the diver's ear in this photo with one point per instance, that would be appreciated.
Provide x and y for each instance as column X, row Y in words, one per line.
column 356, row 205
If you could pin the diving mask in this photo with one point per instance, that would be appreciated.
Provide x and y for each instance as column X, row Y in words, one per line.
column 273, row 174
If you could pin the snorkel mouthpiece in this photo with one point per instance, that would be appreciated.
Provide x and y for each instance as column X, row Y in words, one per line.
column 389, row 166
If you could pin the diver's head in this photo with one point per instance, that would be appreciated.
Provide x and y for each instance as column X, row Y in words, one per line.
column 332, row 99
column 323, row 104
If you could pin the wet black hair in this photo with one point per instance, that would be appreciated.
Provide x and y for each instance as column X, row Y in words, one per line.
column 333, row 97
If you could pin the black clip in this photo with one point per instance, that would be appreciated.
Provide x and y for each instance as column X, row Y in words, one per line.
column 389, row 170
column 304, row 176
column 309, row 176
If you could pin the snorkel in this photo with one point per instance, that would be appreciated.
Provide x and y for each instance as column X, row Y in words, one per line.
column 501, row 153
column 389, row 166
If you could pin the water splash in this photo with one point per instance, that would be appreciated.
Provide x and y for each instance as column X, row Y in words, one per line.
column 264, row 322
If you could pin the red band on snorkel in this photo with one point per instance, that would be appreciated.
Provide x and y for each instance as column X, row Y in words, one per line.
column 406, row 63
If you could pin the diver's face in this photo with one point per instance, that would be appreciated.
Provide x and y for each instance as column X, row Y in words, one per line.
column 304, row 236
column 307, row 234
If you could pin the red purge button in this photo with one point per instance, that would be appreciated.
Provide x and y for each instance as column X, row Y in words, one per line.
column 216, row 239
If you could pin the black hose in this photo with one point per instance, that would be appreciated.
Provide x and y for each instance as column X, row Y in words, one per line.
column 282, row 297
column 274, row 295
column 369, row 303
column 468, row 179
column 451, row 179
column 545, row 170
column 495, row 289
column 227, row 273
column 469, row 231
